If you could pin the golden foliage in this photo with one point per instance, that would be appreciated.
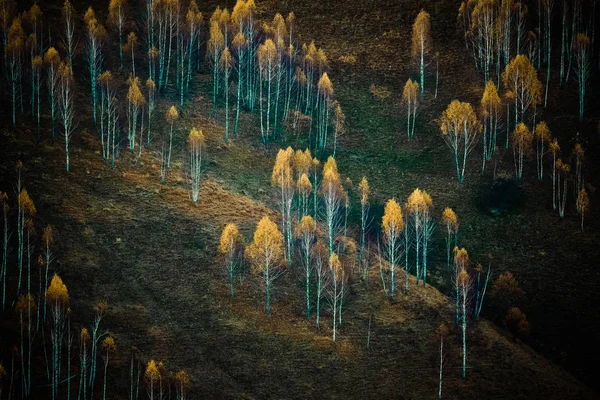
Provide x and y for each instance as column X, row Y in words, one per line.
column 379, row 92
column 581, row 43
column 364, row 190
column 418, row 202
column 26, row 203
column 450, row 219
column 226, row 61
column 562, row 167
column 57, row 291
column 516, row 322
column 461, row 258
column 37, row 62
column 325, row 86
column 25, row 303
column 152, row 372
column 240, row 12
column 195, row 139
column 349, row 59
column 421, row 35
column 456, row 117
column 463, row 279
column 105, row 77
column 229, row 238
column 48, row 236
column 108, row 345
column 522, row 138
column 583, row 202
column 506, row 286
column 490, row 101
column 34, row 13
column 520, row 74
column 267, row 53
column 578, row 152
column 282, row 174
column 116, row 12
column 410, row 91
column 90, row 17
column 336, row 266
column 302, row 161
column 239, row 40
column 150, row 85
column 542, row 132
column 554, row 146
column 304, row 186
column 84, row 336
column 172, row 115
column 131, row 42
column 182, row 378
column 392, row 221
column 16, row 37
column 267, row 245
column 307, row 226
column 216, row 41
column 134, row 95
column 100, row 307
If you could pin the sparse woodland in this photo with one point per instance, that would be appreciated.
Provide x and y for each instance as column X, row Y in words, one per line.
column 181, row 103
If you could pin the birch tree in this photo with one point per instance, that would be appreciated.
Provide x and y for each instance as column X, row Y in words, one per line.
column 195, row 144
column 108, row 346
column 421, row 43
column 283, row 178
column 117, row 18
column 320, row 259
column 490, row 108
column 336, row 289
column 305, row 233
column 561, row 185
column 14, row 64
column 522, row 140
column 578, row 158
column 392, row 225
column 583, row 52
column 450, row 223
column 266, row 253
column 67, row 13
column 171, row 117
column 460, row 126
column 57, row 297
column 216, row 44
column 542, row 137
column 523, row 86
column 225, row 63
column 364, row 191
column 52, row 61
column 333, row 194
column 230, row 246
column 135, row 102
column 583, row 205
column 411, row 102
column 65, row 105
column 554, row 148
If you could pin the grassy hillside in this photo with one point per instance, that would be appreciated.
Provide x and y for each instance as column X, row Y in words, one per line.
column 141, row 245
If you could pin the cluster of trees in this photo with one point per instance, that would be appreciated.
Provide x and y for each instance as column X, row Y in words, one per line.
column 52, row 351
column 497, row 31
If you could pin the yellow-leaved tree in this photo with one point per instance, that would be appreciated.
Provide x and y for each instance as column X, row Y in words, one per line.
column 152, row 375
column 583, row 204
column 266, row 253
column 333, row 195
column 195, row 144
column 363, row 191
column 523, row 86
column 490, row 109
column 522, row 140
column 421, row 43
column 282, row 177
column 57, row 297
column 411, row 102
column 231, row 247
column 542, row 137
column 554, row 148
column 305, row 234
column 392, row 225
column 337, row 288
column 171, row 117
column 460, row 126
column 418, row 207
column 450, row 223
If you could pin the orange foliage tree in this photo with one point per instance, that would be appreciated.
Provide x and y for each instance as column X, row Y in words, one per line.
column 392, row 224
column 306, row 233
column 460, row 126
column 195, row 144
column 411, row 101
column 266, row 252
column 542, row 137
column 231, row 247
column 450, row 223
column 583, row 204
column 283, row 177
column 522, row 140
column 421, row 43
